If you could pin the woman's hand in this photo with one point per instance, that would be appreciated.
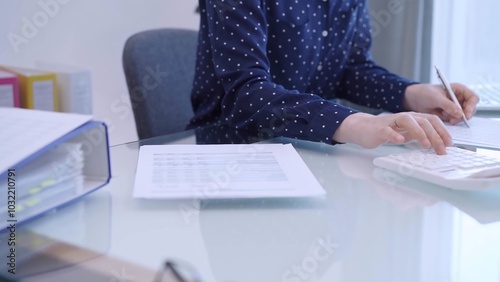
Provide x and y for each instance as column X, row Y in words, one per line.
column 433, row 99
column 371, row 131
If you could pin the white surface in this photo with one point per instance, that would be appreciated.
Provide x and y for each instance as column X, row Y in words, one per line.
column 4, row 74
column 90, row 34
column 427, row 235
column 222, row 171
column 483, row 132
column 33, row 130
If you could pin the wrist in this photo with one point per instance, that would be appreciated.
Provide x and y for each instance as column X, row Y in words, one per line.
column 350, row 127
column 410, row 97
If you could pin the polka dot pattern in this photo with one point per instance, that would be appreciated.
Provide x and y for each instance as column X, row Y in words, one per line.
column 275, row 65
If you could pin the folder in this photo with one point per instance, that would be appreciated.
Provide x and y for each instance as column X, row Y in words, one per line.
column 9, row 90
column 37, row 88
column 74, row 87
column 48, row 160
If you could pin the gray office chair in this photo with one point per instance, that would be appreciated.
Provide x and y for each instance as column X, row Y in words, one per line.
column 159, row 69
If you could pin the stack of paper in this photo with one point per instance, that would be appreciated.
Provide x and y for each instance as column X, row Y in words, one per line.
column 49, row 179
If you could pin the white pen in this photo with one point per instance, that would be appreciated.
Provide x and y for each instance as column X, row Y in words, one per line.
column 448, row 89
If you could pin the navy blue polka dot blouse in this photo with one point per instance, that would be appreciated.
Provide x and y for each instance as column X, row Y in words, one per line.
column 277, row 64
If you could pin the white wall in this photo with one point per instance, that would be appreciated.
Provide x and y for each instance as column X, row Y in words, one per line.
column 91, row 34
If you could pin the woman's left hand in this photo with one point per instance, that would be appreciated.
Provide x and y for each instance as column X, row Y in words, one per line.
column 433, row 99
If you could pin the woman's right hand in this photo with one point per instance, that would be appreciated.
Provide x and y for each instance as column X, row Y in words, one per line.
column 371, row 131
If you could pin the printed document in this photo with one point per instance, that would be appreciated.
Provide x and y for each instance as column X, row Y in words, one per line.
column 223, row 171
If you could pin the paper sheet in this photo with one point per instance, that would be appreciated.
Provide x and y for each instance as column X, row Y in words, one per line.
column 223, row 171
column 483, row 132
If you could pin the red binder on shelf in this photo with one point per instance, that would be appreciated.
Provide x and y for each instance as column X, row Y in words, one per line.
column 9, row 90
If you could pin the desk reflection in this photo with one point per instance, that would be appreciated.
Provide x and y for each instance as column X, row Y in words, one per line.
column 483, row 206
column 349, row 235
column 364, row 229
column 61, row 238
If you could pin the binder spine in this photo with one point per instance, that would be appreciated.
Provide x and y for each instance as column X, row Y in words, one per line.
column 41, row 93
column 9, row 92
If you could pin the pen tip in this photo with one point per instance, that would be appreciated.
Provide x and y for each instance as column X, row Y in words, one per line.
column 466, row 123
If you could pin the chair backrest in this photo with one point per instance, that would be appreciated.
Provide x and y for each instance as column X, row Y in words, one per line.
column 159, row 69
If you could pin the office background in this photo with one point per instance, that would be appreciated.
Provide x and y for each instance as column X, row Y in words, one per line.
column 92, row 33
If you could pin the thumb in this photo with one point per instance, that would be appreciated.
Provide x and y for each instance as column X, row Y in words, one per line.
column 393, row 136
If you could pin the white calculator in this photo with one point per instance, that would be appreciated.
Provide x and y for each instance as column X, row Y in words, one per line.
column 459, row 169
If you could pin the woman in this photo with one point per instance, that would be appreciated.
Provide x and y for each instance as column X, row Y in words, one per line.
column 277, row 66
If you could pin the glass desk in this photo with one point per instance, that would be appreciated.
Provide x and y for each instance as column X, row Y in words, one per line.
column 368, row 227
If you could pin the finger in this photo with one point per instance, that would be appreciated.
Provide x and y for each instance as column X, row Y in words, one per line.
column 408, row 123
column 451, row 109
column 468, row 99
column 470, row 105
column 442, row 115
column 445, row 116
column 407, row 137
column 441, row 129
column 389, row 134
column 432, row 134
column 454, row 121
